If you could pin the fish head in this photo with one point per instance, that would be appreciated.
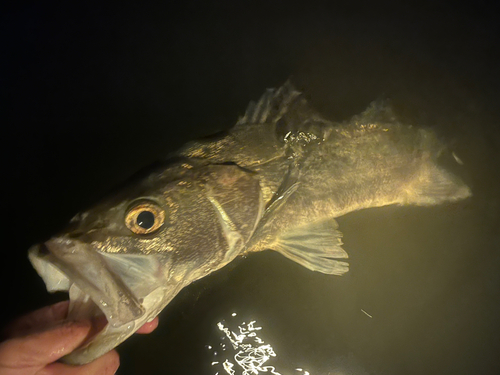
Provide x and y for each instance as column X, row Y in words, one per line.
column 127, row 257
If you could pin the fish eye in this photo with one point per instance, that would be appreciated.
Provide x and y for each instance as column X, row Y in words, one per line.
column 144, row 218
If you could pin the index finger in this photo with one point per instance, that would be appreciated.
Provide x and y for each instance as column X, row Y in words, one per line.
column 43, row 347
column 45, row 317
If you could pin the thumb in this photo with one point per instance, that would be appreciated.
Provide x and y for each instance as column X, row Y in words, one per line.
column 40, row 348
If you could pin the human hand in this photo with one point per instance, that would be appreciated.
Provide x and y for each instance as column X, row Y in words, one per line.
column 37, row 340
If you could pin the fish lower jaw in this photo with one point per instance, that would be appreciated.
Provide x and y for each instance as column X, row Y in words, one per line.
column 92, row 291
column 109, row 328
column 118, row 293
column 103, row 335
column 81, row 306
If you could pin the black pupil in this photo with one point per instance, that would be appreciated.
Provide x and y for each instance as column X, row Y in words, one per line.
column 146, row 219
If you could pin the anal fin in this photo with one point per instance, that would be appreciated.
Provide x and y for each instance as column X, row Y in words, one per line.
column 316, row 246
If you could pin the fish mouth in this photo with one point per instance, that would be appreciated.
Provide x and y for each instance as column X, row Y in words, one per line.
column 127, row 290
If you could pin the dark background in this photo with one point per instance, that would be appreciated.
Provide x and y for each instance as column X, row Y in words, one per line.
column 92, row 93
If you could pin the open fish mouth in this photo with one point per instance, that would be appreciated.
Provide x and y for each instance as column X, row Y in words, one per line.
column 99, row 286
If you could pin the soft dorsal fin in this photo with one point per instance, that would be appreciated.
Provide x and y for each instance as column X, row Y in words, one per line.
column 378, row 111
column 316, row 246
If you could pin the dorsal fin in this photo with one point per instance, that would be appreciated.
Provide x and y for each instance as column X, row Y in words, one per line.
column 287, row 110
column 271, row 106
column 378, row 111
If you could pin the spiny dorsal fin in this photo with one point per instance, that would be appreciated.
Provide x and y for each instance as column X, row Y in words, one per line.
column 286, row 110
column 271, row 106
column 316, row 246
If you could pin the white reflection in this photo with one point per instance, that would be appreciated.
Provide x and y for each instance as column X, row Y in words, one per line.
column 368, row 315
column 305, row 372
column 228, row 366
column 252, row 352
column 240, row 351
column 251, row 355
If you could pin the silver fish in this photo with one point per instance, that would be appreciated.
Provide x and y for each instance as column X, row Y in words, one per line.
column 275, row 181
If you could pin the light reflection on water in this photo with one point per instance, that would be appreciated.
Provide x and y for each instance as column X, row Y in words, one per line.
column 240, row 350
column 243, row 351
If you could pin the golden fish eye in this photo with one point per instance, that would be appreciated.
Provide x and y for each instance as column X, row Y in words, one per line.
column 145, row 218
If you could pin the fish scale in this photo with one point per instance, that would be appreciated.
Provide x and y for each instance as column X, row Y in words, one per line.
column 277, row 180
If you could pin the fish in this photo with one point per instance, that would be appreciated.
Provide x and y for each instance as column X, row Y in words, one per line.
column 275, row 181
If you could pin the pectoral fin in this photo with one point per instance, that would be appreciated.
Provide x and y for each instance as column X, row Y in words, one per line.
column 315, row 246
column 313, row 242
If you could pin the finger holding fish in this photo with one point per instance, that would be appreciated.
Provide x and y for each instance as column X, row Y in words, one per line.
column 35, row 342
column 148, row 327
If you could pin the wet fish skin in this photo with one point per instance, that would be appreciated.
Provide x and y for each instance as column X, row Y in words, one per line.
column 108, row 268
column 370, row 161
column 275, row 181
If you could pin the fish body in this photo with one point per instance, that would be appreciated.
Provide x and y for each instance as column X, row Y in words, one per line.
column 277, row 180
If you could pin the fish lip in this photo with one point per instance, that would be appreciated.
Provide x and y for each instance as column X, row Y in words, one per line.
column 96, row 278
column 57, row 262
column 147, row 279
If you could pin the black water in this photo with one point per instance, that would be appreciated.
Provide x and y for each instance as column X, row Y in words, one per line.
column 90, row 94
